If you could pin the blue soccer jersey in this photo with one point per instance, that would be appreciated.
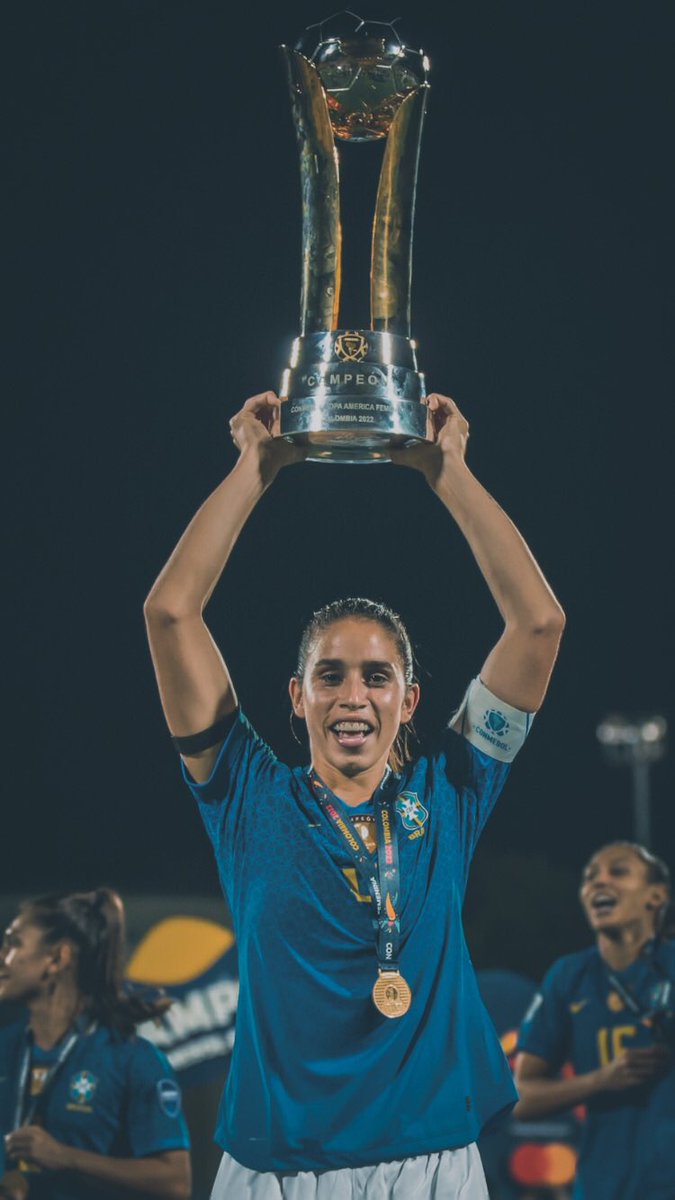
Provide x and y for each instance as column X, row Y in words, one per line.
column 319, row 1079
column 579, row 1016
column 114, row 1096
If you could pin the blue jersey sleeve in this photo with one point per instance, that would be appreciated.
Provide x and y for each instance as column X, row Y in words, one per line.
column 478, row 780
column 545, row 1029
column 245, row 766
column 483, row 738
column 155, row 1120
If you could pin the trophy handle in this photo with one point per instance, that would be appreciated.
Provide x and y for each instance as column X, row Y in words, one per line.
column 391, row 262
column 319, row 176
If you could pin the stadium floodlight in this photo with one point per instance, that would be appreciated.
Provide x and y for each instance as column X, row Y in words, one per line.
column 635, row 742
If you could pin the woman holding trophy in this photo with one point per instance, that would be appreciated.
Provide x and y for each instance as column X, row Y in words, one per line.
column 365, row 1064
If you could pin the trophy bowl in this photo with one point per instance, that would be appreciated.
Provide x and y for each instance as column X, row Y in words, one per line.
column 366, row 73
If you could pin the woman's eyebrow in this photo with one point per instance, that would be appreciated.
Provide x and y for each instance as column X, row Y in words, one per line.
column 623, row 861
column 374, row 664
column 369, row 664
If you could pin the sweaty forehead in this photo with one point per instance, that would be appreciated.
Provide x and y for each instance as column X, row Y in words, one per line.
column 355, row 640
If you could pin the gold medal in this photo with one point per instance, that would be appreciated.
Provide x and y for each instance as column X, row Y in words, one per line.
column 391, row 994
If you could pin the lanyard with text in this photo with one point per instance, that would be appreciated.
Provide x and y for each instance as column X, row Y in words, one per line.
column 26, row 1105
column 659, row 1010
column 381, row 875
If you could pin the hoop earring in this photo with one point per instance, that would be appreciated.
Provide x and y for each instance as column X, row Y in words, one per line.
column 290, row 722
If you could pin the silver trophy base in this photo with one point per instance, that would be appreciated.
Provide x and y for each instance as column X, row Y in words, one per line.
column 352, row 396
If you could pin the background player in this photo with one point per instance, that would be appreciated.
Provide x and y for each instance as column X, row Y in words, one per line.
column 86, row 1107
column 326, row 1096
column 609, row 1011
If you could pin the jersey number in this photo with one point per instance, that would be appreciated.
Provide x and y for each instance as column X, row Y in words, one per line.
column 611, row 1042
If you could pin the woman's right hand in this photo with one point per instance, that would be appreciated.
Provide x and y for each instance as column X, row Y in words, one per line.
column 255, row 430
column 13, row 1186
column 633, row 1067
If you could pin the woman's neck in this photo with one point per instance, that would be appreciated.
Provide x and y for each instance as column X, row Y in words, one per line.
column 351, row 789
column 621, row 947
column 52, row 1015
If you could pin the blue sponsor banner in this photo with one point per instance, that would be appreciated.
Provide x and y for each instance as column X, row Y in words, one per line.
column 194, row 962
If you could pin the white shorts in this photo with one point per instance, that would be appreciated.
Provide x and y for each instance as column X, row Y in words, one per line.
column 449, row 1175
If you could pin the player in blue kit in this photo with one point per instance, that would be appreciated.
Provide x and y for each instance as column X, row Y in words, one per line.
column 87, row 1108
column 364, row 1064
column 610, row 1011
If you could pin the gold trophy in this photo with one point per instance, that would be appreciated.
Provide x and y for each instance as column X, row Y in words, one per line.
column 351, row 395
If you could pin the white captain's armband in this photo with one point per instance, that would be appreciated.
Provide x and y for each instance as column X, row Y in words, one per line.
column 490, row 724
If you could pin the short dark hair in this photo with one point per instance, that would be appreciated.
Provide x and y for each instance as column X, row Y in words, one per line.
column 362, row 609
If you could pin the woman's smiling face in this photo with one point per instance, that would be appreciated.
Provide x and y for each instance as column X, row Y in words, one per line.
column 616, row 890
column 353, row 696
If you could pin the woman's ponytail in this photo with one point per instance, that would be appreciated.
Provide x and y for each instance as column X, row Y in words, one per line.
column 94, row 923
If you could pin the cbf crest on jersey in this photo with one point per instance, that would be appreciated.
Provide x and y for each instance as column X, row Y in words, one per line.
column 412, row 813
column 82, row 1089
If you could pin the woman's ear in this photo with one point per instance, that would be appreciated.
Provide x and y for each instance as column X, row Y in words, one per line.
column 295, row 692
column 658, row 897
column 61, row 958
column 410, row 702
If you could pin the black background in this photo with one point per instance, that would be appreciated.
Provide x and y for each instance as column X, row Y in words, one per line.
column 154, row 245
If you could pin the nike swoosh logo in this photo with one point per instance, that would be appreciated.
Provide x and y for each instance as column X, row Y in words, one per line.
column 577, row 1006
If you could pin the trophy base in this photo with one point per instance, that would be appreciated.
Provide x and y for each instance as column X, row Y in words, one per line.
column 352, row 396
column 344, row 448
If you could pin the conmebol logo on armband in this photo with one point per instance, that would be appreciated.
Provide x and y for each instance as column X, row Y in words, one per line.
column 195, row 961
column 496, row 728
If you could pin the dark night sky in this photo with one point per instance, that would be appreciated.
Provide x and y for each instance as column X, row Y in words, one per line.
column 154, row 276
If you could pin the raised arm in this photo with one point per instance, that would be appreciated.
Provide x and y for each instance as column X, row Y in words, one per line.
column 194, row 683
column 519, row 666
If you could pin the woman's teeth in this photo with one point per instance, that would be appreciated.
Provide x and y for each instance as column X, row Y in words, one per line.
column 351, row 731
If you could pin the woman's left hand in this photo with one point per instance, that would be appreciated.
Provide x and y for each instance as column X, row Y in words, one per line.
column 447, row 438
column 35, row 1145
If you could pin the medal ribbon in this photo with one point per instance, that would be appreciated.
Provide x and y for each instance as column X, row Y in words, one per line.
column 662, row 992
column 379, row 872
column 26, row 1106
